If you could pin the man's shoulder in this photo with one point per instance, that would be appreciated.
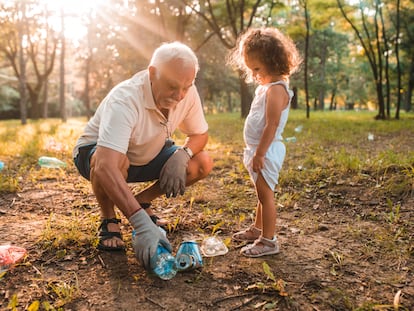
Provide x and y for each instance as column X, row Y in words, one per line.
column 132, row 86
column 138, row 79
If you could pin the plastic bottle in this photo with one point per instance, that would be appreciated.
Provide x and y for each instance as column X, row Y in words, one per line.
column 290, row 139
column 51, row 162
column 9, row 255
column 163, row 262
column 1, row 165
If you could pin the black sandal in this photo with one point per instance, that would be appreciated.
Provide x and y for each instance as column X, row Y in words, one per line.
column 153, row 217
column 104, row 235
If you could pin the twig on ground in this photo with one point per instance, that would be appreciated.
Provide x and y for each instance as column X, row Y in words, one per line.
column 155, row 303
column 245, row 303
column 101, row 261
column 230, row 297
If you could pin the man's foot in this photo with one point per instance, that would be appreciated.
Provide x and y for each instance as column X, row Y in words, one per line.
column 250, row 234
column 155, row 219
column 110, row 238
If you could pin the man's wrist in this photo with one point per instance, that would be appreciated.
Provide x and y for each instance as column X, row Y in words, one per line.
column 188, row 151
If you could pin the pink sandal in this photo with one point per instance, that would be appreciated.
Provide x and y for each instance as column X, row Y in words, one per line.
column 250, row 234
column 261, row 247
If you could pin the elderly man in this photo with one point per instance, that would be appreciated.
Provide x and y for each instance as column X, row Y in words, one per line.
column 129, row 140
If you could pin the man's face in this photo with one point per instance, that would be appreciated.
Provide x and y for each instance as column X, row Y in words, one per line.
column 171, row 83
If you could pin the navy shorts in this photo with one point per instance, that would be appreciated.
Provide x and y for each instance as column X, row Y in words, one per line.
column 148, row 172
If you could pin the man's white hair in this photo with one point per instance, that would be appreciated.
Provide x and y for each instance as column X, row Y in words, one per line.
column 172, row 51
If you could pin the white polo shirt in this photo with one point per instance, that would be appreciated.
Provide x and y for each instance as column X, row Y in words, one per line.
column 128, row 121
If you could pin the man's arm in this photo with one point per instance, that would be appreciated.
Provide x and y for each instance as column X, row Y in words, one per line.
column 196, row 142
column 109, row 169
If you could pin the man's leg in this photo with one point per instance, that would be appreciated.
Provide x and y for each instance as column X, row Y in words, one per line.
column 107, row 207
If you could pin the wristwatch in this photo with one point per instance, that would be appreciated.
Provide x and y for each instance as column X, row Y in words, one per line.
column 189, row 151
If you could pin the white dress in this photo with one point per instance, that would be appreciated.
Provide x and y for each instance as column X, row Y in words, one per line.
column 253, row 129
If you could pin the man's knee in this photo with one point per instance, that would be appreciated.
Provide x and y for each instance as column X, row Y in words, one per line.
column 205, row 164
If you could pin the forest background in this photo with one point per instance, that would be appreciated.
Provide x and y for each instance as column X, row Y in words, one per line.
column 60, row 58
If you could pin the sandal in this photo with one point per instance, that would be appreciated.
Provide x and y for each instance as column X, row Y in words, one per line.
column 155, row 219
column 250, row 234
column 104, row 235
column 261, row 247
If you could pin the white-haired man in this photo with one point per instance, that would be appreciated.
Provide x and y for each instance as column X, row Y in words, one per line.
column 129, row 140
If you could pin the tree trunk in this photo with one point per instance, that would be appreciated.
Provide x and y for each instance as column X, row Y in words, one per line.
column 22, row 66
column 305, row 70
column 294, row 102
column 246, row 97
column 397, row 56
column 410, row 87
column 62, row 70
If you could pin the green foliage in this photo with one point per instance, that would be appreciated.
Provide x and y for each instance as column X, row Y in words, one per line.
column 277, row 285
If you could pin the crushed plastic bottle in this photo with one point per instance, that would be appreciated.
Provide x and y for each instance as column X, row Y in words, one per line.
column 163, row 262
column 290, row 139
column 9, row 255
column 50, row 162
column 299, row 128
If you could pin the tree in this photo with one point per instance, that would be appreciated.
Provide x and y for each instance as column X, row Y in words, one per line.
column 371, row 29
column 22, row 45
column 227, row 20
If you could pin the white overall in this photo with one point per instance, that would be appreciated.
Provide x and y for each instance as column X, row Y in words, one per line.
column 253, row 129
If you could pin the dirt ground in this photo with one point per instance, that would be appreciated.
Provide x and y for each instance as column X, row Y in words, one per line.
column 342, row 248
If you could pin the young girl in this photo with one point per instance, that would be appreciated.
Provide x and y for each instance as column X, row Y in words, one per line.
column 268, row 57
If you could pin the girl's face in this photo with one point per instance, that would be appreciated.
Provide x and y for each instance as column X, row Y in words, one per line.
column 258, row 69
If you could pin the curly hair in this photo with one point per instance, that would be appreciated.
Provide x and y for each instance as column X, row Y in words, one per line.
column 271, row 47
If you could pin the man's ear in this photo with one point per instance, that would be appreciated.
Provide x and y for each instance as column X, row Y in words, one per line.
column 152, row 73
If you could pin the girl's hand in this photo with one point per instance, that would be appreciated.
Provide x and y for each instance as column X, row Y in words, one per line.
column 258, row 163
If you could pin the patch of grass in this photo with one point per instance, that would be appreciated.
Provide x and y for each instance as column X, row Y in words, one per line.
column 62, row 232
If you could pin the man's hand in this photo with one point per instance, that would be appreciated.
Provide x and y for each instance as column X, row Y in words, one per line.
column 147, row 237
column 174, row 173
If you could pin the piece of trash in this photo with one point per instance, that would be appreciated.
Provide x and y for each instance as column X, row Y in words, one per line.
column 370, row 136
column 290, row 139
column 299, row 128
column 50, row 162
column 10, row 255
column 1, row 165
column 213, row 246
column 188, row 256
column 53, row 145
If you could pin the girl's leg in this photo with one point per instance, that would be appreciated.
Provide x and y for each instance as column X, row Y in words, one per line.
column 258, row 219
column 267, row 243
column 268, row 207
column 254, row 231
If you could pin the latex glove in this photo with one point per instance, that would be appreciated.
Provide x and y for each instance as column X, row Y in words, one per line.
column 173, row 175
column 147, row 237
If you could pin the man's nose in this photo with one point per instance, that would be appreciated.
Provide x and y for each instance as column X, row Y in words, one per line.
column 179, row 95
